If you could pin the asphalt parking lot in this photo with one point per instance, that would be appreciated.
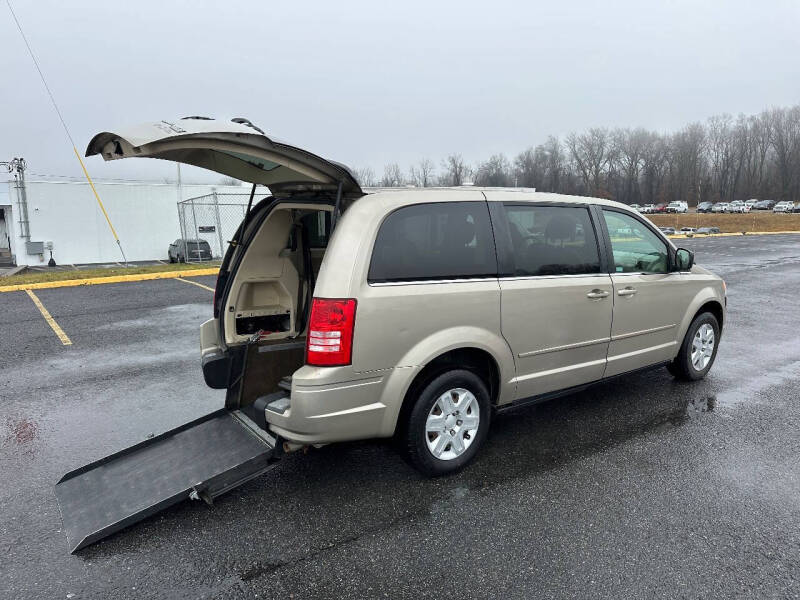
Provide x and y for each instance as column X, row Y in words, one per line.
column 642, row 487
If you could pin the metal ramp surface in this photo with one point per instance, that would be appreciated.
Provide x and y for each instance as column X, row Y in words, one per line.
column 201, row 459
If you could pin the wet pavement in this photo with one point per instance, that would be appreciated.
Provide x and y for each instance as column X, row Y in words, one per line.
column 641, row 487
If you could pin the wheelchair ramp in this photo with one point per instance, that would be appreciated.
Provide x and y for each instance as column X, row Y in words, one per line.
column 201, row 459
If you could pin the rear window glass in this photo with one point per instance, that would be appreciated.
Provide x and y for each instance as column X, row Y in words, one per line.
column 447, row 240
column 552, row 240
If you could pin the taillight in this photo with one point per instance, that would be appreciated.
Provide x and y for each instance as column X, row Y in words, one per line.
column 330, row 332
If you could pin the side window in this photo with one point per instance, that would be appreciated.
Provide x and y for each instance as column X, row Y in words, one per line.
column 636, row 248
column 445, row 240
column 552, row 240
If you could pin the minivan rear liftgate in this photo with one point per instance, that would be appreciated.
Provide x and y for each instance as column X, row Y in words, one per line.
column 217, row 452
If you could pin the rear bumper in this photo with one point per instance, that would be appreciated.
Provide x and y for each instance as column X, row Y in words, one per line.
column 333, row 412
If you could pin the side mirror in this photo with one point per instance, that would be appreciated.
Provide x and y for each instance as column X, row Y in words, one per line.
column 684, row 259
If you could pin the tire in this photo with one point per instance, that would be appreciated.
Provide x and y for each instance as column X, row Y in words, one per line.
column 171, row 260
column 181, row 259
column 420, row 443
column 683, row 367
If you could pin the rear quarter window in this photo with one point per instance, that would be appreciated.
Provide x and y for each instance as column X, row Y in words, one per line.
column 445, row 240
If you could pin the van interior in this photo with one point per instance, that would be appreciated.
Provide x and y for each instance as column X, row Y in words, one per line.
column 266, row 312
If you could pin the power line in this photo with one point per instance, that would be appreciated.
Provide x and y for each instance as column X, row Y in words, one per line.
column 66, row 130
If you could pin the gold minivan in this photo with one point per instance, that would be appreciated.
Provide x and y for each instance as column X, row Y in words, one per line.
column 345, row 314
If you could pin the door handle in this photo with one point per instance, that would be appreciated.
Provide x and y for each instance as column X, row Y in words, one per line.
column 628, row 291
column 597, row 294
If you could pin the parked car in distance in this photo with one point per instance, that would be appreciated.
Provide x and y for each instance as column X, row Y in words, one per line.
column 751, row 203
column 784, row 206
column 765, row 205
column 634, row 206
column 707, row 230
column 660, row 208
column 704, row 207
column 737, row 206
column 647, row 209
column 679, row 206
column 720, row 207
column 796, row 208
column 182, row 250
column 667, row 230
column 687, row 229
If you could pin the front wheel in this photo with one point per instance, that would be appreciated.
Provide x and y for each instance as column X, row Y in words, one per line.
column 448, row 422
column 698, row 350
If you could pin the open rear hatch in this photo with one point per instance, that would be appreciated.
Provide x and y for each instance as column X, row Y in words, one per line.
column 235, row 148
column 208, row 456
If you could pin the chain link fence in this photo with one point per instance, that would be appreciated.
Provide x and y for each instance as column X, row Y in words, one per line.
column 212, row 218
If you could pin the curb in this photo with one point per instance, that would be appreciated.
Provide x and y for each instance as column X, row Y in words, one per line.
column 14, row 271
column 711, row 235
column 112, row 279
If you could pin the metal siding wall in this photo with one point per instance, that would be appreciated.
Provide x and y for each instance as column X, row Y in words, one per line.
column 67, row 214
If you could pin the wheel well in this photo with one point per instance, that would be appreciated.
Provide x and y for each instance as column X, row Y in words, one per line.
column 715, row 308
column 476, row 360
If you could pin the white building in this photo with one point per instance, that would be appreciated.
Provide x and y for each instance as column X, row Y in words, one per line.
column 145, row 216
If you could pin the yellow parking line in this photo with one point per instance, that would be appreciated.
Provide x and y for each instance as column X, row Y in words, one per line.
column 50, row 320
column 112, row 279
column 205, row 287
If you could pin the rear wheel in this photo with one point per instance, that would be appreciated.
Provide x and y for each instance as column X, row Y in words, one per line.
column 448, row 422
column 698, row 350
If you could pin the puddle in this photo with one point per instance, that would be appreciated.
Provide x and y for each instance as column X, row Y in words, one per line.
column 701, row 405
column 452, row 496
column 749, row 387
column 182, row 316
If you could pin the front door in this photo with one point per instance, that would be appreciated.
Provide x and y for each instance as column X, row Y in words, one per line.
column 556, row 299
column 648, row 300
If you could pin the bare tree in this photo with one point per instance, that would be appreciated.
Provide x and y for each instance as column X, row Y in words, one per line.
column 456, row 171
column 656, row 157
column 365, row 176
column 591, row 154
column 529, row 167
column 229, row 181
column 392, row 176
column 495, row 172
column 422, row 174
column 721, row 155
column 688, row 165
column 725, row 158
column 629, row 155
column 785, row 138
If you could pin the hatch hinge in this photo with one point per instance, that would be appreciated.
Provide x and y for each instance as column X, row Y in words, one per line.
column 337, row 208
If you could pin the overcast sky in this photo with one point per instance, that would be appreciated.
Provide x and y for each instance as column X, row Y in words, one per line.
column 371, row 82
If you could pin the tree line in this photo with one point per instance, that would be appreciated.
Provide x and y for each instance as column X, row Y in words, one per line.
column 723, row 159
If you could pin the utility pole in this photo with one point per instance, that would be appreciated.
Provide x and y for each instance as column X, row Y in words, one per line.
column 179, row 183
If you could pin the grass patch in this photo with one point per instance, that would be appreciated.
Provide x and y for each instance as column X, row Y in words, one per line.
column 731, row 223
column 42, row 276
